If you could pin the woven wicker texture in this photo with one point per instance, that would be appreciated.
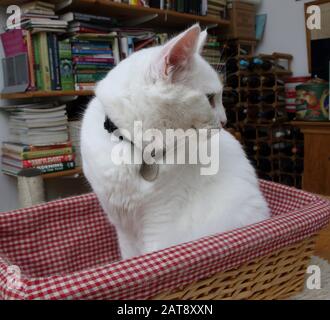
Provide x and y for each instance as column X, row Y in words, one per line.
column 276, row 276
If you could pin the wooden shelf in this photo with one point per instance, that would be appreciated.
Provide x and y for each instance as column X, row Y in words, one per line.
column 45, row 94
column 65, row 173
column 123, row 12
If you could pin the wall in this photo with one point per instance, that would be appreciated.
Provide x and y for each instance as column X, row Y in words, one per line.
column 285, row 31
column 8, row 193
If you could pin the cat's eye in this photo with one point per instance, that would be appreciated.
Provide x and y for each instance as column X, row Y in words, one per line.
column 211, row 98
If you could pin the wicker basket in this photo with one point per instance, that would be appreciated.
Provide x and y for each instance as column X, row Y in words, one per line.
column 278, row 275
column 67, row 249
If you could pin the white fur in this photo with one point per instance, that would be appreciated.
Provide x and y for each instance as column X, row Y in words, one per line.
column 180, row 205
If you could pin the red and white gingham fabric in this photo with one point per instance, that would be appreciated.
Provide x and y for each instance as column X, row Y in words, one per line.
column 67, row 249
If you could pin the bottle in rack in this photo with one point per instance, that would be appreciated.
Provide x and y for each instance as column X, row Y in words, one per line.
column 231, row 65
column 264, row 149
column 268, row 97
column 298, row 150
column 266, row 65
column 254, row 97
column 263, row 64
column 278, row 147
column 230, row 97
column 254, row 81
column 244, row 81
column 242, row 113
column 244, row 64
column 249, row 133
column 263, row 132
column 231, row 115
column 264, row 165
column 267, row 115
column 232, row 81
column 270, row 81
column 287, row 165
column 250, row 148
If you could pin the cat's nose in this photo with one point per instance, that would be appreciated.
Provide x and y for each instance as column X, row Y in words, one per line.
column 223, row 123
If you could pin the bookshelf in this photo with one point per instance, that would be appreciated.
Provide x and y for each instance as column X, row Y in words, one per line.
column 150, row 17
column 127, row 16
column 138, row 15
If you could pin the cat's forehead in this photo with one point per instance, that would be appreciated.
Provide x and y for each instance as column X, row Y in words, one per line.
column 205, row 78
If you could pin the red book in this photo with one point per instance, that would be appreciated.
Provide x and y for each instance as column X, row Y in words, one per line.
column 49, row 160
column 33, row 163
column 92, row 59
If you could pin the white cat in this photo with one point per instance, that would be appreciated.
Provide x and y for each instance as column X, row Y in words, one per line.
column 169, row 86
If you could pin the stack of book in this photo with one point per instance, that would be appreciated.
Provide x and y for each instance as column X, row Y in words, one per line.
column 135, row 39
column 197, row 7
column 88, row 23
column 74, row 132
column 211, row 51
column 38, row 138
column 39, row 16
column 93, row 55
column 92, row 47
column 48, row 159
column 38, row 124
column 216, row 8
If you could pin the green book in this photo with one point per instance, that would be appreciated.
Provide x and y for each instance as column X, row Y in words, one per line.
column 44, row 61
column 92, row 77
column 66, row 71
column 37, row 67
column 56, row 167
column 45, row 153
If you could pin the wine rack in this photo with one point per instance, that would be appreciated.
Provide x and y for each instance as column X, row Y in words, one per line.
column 254, row 99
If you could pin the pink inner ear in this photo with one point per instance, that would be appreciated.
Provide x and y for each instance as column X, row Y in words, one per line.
column 183, row 49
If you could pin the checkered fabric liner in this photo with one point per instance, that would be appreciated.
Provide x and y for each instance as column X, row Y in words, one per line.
column 67, row 249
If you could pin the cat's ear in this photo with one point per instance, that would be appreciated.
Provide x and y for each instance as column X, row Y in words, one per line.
column 177, row 53
column 201, row 41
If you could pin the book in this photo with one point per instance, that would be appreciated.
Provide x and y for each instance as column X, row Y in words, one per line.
column 87, row 78
column 33, row 163
column 27, row 155
column 84, row 86
column 29, row 44
column 38, row 5
column 76, row 51
column 83, row 17
column 93, row 59
column 65, row 62
column 44, row 61
column 53, row 61
column 79, row 24
column 49, row 168
column 18, row 147
column 43, row 137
